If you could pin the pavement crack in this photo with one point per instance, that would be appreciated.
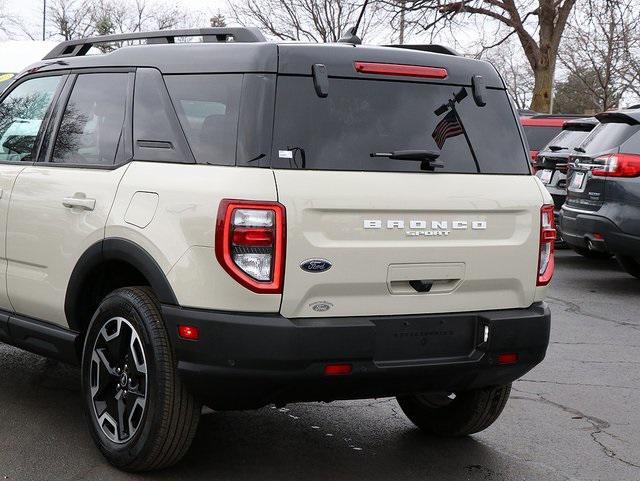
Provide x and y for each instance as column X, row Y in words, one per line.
column 599, row 426
column 560, row 383
column 577, row 309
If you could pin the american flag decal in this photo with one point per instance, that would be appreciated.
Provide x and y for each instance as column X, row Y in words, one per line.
column 449, row 126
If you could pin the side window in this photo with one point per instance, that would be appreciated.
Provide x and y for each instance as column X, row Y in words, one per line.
column 208, row 107
column 21, row 114
column 92, row 123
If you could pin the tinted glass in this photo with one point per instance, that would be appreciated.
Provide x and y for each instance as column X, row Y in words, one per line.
column 538, row 136
column 91, row 126
column 21, row 114
column 360, row 117
column 567, row 139
column 207, row 106
column 607, row 136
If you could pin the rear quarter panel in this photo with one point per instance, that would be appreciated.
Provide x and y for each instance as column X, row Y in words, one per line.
column 179, row 232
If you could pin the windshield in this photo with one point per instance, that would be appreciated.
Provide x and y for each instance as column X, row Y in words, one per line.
column 363, row 117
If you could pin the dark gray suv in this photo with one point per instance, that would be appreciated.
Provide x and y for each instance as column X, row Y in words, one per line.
column 602, row 211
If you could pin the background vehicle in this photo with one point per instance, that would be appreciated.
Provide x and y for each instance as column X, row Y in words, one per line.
column 249, row 223
column 602, row 210
column 540, row 129
column 552, row 161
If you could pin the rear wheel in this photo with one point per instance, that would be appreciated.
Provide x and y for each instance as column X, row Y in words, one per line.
column 140, row 415
column 629, row 264
column 456, row 415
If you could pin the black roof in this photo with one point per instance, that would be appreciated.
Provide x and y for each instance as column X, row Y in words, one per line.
column 249, row 52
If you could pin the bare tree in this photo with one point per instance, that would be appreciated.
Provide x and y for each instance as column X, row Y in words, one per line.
column 11, row 23
column 524, row 19
column 310, row 20
column 514, row 69
column 602, row 50
column 81, row 18
column 71, row 18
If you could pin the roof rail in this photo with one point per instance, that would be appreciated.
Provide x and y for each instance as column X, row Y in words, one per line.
column 435, row 48
column 80, row 47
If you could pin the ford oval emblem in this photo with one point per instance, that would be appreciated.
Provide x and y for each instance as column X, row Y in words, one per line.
column 315, row 265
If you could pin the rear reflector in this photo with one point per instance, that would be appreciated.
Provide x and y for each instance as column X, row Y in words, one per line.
column 507, row 358
column 401, row 70
column 337, row 369
column 190, row 333
column 548, row 234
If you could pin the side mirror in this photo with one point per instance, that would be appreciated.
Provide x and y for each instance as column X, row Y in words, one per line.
column 479, row 90
column 320, row 79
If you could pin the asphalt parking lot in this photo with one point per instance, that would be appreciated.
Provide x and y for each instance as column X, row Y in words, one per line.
column 575, row 417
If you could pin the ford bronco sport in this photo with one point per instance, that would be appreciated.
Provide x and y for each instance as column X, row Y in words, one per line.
column 237, row 223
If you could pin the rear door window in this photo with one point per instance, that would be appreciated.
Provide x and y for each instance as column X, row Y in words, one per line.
column 361, row 117
column 91, row 128
column 208, row 107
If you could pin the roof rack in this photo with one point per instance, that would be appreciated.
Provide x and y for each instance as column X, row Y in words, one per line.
column 80, row 47
column 435, row 48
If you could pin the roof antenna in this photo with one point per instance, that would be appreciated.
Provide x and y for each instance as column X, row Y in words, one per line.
column 350, row 36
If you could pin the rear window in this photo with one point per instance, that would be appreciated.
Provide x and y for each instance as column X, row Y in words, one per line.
column 539, row 136
column 567, row 139
column 361, row 117
column 607, row 136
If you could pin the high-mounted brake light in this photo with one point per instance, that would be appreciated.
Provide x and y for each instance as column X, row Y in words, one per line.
column 548, row 234
column 618, row 165
column 250, row 243
column 401, row 70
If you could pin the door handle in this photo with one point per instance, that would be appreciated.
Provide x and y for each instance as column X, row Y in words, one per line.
column 79, row 201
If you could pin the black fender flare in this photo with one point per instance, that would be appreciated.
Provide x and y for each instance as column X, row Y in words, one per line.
column 115, row 248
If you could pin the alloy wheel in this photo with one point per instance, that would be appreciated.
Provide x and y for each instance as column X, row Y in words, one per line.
column 118, row 380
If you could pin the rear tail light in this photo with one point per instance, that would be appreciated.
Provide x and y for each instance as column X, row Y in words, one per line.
column 548, row 236
column 401, row 70
column 250, row 243
column 618, row 165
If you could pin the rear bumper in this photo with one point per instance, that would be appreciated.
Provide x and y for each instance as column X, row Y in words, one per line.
column 577, row 227
column 245, row 360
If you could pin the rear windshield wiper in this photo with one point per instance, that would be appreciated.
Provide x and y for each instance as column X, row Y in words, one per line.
column 426, row 157
column 555, row 148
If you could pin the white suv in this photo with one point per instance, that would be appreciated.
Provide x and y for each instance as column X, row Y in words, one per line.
column 236, row 223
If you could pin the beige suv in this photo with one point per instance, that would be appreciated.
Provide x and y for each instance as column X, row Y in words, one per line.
column 236, row 223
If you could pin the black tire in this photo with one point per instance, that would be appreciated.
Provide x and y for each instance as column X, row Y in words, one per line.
column 629, row 264
column 470, row 412
column 589, row 254
column 161, row 416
